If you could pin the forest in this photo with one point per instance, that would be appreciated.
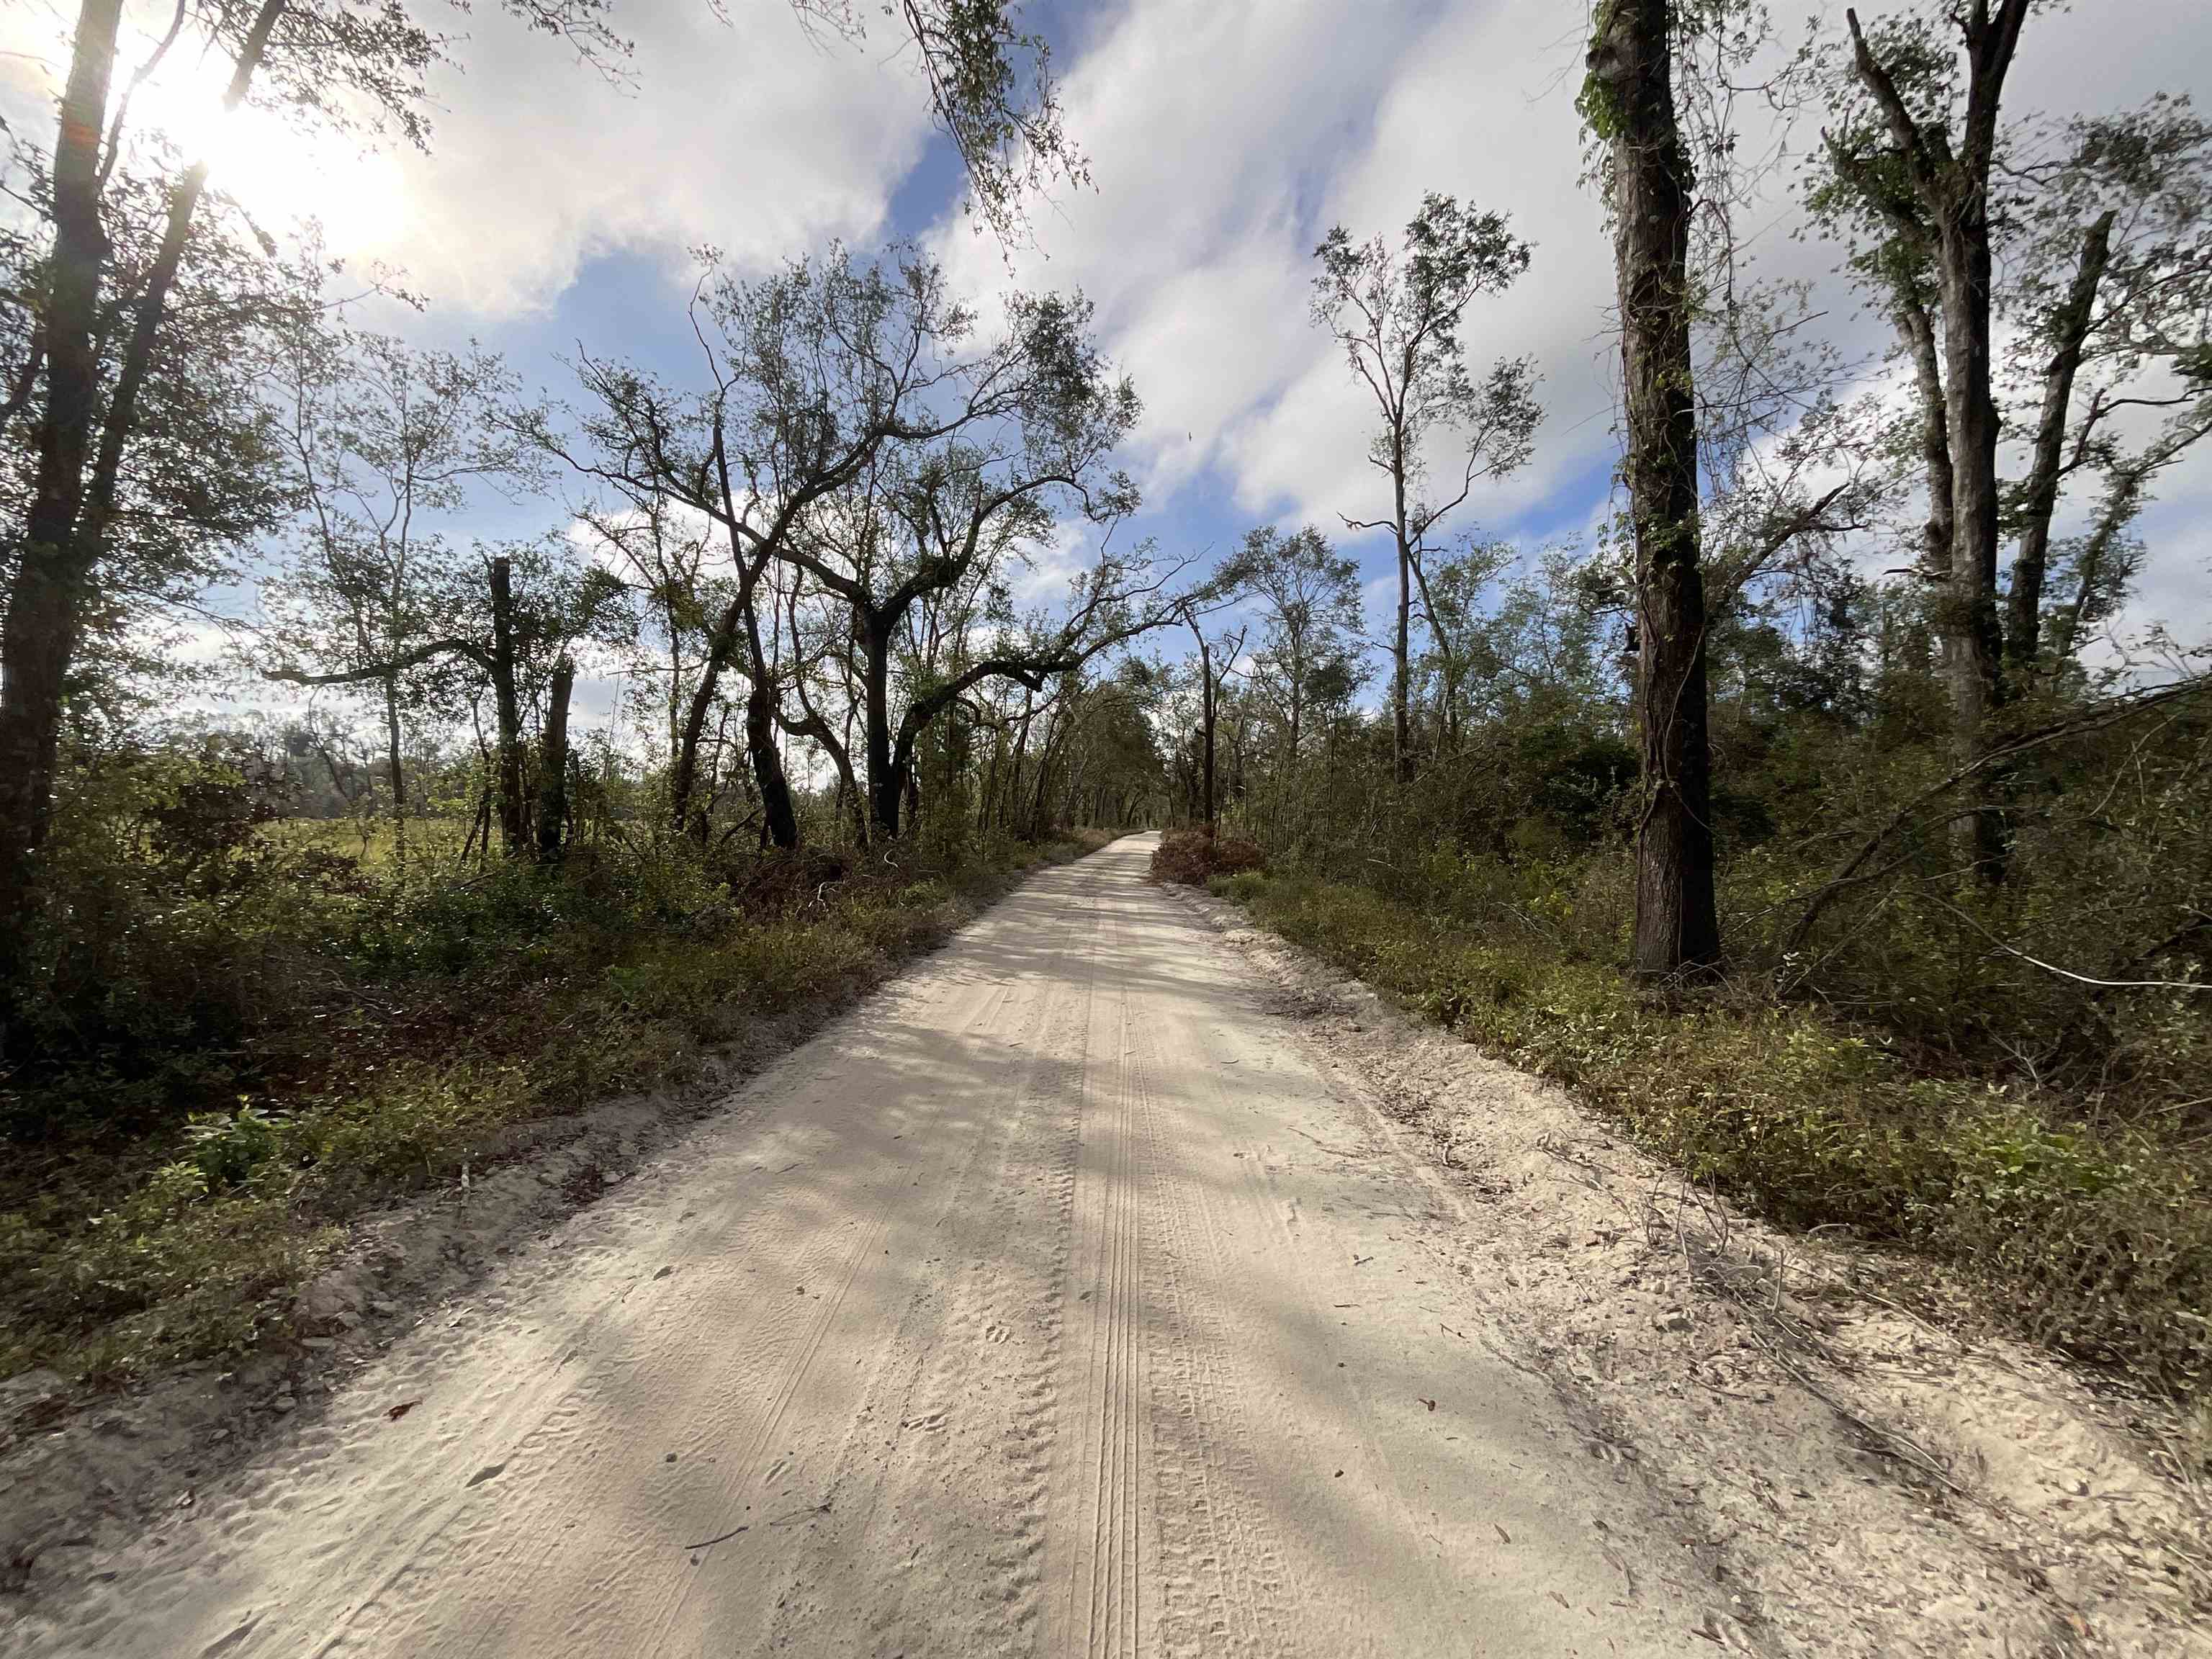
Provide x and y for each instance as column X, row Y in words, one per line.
column 1830, row 815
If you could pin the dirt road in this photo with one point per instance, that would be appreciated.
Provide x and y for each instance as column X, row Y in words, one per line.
column 1052, row 1302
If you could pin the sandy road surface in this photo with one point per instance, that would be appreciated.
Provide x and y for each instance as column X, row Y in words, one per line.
column 1052, row 1302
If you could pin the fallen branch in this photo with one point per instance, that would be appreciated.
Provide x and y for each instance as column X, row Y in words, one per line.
column 2068, row 973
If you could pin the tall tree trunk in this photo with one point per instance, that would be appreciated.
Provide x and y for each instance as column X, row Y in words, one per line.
column 1951, row 181
column 684, row 775
column 479, row 836
column 513, row 812
column 553, row 764
column 1011, row 817
column 1402, row 720
column 886, row 782
column 1212, row 717
column 45, row 597
column 1973, row 643
column 1038, row 810
column 1677, row 924
column 1918, row 330
column 782, row 818
column 1206, row 714
column 983, row 804
column 779, row 818
column 2070, row 329
column 66, row 527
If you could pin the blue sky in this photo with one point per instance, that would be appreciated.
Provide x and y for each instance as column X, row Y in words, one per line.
column 1224, row 135
column 623, row 294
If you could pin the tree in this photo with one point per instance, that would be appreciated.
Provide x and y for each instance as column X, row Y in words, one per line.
column 810, row 372
column 386, row 439
column 1111, row 770
column 1397, row 315
column 2102, row 222
column 1230, row 647
column 305, row 54
column 852, row 433
column 553, row 764
column 1453, row 608
column 1949, row 184
column 1629, row 101
column 1308, row 658
column 955, row 522
column 327, row 60
column 536, row 623
column 664, row 550
column 991, row 90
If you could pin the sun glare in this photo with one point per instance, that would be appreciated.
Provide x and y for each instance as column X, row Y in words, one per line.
column 272, row 170
column 280, row 174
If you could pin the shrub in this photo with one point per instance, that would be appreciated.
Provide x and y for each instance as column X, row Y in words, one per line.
column 1192, row 857
column 245, row 1038
column 2095, row 1241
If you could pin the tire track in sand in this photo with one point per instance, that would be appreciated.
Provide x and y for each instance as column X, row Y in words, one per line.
column 1096, row 1542
column 947, row 1471
column 1227, row 1585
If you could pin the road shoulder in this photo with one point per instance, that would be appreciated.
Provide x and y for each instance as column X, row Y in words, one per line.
column 85, row 1474
column 1867, row 1481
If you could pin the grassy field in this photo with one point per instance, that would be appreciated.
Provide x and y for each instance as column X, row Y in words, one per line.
column 435, row 841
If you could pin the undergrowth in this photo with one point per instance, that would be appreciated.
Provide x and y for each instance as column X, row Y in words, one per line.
column 1193, row 857
column 2094, row 1239
column 238, row 1069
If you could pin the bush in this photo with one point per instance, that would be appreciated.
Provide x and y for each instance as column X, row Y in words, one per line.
column 1193, row 857
column 243, row 1038
column 2095, row 1241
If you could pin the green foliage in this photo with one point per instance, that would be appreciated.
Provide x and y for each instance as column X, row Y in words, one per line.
column 926, row 895
column 2097, row 1239
column 1243, row 887
column 228, row 1150
column 1595, row 102
column 246, row 1038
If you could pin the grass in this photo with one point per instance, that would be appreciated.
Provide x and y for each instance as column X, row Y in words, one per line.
column 425, row 1019
column 2096, row 1241
column 436, row 840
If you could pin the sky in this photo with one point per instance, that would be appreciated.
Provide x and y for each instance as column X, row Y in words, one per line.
column 555, row 209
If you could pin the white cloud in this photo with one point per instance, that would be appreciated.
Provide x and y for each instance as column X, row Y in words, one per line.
column 751, row 135
column 1224, row 139
column 1227, row 141
column 1228, row 145
column 1213, row 131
